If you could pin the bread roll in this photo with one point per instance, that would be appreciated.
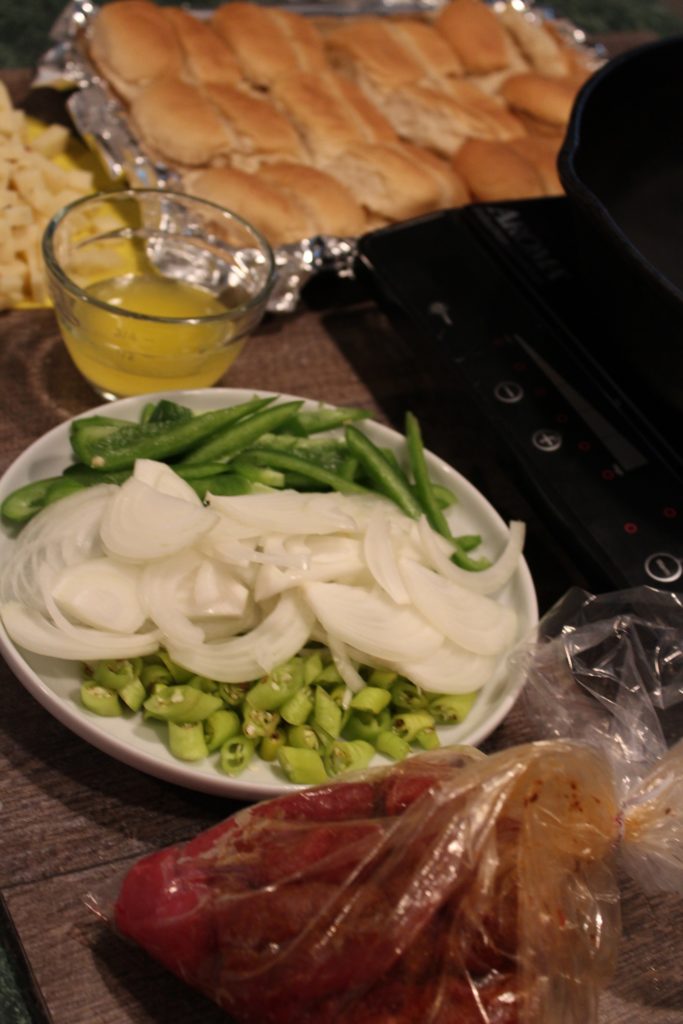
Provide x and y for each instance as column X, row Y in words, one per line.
column 386, row 179
column 131, row 44
column 539, row 46
column 544, row 102
column 331, row 207
column 366, row 51
column 258, row 131
column 443, row 121
column 207, row 58
column 268, row 42
column 271, row 211
column 476, row 35
column 174, row 120
column 493, row 171
column 452, row 188
column 438, row 60
column 542, row 152
column 322, row 113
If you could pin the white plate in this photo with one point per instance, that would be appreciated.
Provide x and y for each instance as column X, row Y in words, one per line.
column 55, row 683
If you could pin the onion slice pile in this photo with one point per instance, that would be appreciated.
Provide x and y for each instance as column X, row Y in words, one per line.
column 234, row 587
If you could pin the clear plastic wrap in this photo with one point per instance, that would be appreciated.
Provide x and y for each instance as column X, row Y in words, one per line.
column 454, row 887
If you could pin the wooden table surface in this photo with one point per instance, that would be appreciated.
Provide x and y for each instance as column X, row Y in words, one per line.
column 73, row 818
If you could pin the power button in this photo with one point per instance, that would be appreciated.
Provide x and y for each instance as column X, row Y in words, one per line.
column 663, row 567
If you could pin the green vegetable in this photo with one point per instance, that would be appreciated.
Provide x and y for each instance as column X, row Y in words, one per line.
column 316, row 420
column 240, row 431
column 392, row 745
column 408, row 725
column 327, row 715
column 220, row 726
column 270, row 745
column 347, row 756
column 306, row 469
column 22, row 504
column 100, row 699
column 371, row 698
column 423, row 485
column 388, row 478
column 186, row 741
column 449, row 708
column 235, row 755
column 302, row 766
column 277, row 687
column 118, row 448
column 181, row 703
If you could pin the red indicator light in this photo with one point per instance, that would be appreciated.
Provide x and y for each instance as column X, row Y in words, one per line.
column 630, row 528
column 670, row 512
column 608, row 474
column 584, row 446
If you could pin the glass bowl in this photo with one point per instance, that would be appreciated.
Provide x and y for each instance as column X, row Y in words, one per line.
column 154, row 290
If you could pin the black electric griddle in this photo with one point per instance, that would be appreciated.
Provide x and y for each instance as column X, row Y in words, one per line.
column 494, row 293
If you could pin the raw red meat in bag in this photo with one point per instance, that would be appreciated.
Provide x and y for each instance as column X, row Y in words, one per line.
column 452, row 888
column 437, row 890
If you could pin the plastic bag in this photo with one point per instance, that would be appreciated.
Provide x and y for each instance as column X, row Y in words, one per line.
column 453, row 888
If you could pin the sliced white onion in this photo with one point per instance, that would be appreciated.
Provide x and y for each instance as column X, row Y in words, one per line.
column 437, row 552
column 141, row 524
column 216, row 591
column 30, row 629
column 329, row 558
column 276, row 639
column 163, row 585
column 163, row 479
column 381, row 560
column 345, row 666
column 474, row 621
column 286, row 512
column 450, row 669
column 101, row 593
column 370, row 622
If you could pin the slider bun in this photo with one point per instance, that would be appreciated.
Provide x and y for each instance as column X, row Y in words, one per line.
column 266, row 207
column 546, row 100
column 438, row 60
column 131, row 43
column 493, row 171
column 207, row 57
column 386, row 179
column 542, row 152
column 476, row 35
column 331, row 207
column 257, row 130
column 267, row 42
column 368, row 52
column 174, row 120
column 539, row 46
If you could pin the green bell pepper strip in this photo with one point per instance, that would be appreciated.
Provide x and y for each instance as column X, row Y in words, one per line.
column 387, row 478
column 423, row 484
column 305, row 468
column 23, row 503
column 119, row 448
column 237, row 436
column 314, row 421
column 186, row 741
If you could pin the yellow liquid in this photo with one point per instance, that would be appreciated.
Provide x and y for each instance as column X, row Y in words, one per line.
column 122, row 355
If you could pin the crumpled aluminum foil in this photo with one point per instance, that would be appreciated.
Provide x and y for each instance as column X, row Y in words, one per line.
column 101, row 121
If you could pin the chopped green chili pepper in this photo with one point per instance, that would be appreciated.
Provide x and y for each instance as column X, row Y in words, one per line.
column 117, row 673
column 221, row 725
column 363, row 725
column 427, row 738
column 186, row 741
column 388, row 479
column 133, row 694
column 313, row 666
column 302, row 766
column 154, row 673
column 258, row 723
column 303, row 736
column 392, row 745
column 178, row 673
column 203, row 683
column 383, row 677
column 409, row 724
column 449, row 708
column 296, row 709
column 347, row 755
column 278, row 686
column 232, row 694
column 100, row 699
column 371, row 698
column 327, row 714
column 181, row 703
column 406, row 696
column 269, row 745
column 235, row 755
